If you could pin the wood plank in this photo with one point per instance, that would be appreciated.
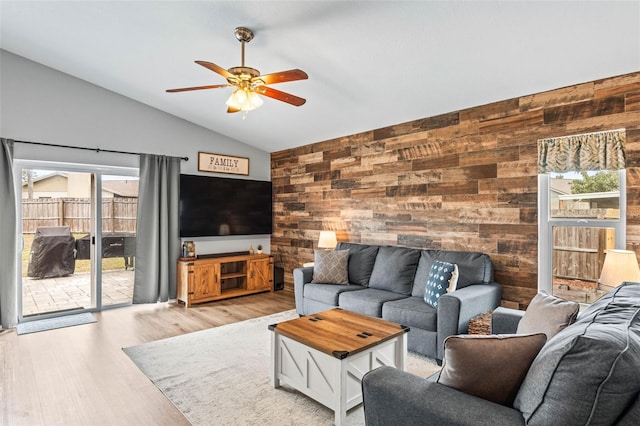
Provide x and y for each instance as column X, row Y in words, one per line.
column 446, row 188
column 483, row 171
column 564, row 96
column 491, row 111
column 507, row 231
column 632, row 101
column 587, row 109
column 520, row 121
column 436, row 162
column 406, row 190
column 442, row 120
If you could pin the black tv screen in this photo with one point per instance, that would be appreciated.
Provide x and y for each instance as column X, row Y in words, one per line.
column 214, row 206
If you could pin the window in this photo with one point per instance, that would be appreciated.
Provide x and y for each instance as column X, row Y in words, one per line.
column 581, row 213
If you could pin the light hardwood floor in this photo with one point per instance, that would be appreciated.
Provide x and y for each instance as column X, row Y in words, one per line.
column 80, row 375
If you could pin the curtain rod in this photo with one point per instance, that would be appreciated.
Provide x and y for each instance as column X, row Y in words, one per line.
column 98, row 150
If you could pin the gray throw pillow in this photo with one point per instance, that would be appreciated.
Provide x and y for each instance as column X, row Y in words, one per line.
column 548, row 314
column 395, row 269
column 361, row 260
column 330, row 267
column 491, row 367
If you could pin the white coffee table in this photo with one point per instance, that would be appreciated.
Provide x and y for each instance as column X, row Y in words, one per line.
column 326, row 355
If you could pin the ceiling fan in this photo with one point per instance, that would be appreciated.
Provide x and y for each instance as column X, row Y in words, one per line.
column 248, row 82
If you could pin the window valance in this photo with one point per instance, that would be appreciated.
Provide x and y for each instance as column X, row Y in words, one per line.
column 589, row 151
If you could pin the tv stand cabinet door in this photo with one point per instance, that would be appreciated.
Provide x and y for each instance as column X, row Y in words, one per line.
column 260, row 276
column 206, row 280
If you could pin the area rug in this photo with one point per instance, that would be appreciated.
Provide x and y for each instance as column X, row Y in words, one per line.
column 53, row 323
column 221, row 376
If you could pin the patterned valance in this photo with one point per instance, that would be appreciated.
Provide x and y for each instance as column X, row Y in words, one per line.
column 589, row 151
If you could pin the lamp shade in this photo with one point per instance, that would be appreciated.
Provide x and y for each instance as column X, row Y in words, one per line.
column 244, row 100
column 619, row 266
column 327, row 240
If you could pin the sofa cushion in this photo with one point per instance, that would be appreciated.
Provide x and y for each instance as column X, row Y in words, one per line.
column 422, row 274
column 328, row 293
column 443, row 277
column 330, row 266
column 473, row 267
column 361, row 260
column 368, row 301
column 588, row 373
column 412, row 312
column 395, row 269
column 548, row 314
column 490, row 367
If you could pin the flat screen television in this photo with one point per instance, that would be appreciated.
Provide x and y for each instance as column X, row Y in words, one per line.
column 214, row 206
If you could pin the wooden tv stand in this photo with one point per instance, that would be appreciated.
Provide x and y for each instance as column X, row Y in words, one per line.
column 215, row 278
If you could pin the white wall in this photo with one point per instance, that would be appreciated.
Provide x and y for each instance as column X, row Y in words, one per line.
column 41, row 104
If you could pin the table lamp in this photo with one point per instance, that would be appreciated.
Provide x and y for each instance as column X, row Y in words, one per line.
column 619, row 266
column 327, row 240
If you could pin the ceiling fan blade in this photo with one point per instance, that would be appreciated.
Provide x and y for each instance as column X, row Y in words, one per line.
column 283, row 76
column 231, row 110
column 281, row 96
column 215, row 68
column 186, row 89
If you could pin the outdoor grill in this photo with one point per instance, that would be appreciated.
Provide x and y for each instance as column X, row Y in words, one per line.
column 114, row 244
column 52, row 253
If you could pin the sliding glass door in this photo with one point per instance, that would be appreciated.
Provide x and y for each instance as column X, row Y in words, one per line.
column 78, row 230
column 118, row 239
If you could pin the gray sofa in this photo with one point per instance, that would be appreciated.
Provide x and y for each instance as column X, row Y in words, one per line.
column 586, row 374
column 389, row 282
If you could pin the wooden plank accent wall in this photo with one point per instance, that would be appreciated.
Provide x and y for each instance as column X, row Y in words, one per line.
column 465, row 180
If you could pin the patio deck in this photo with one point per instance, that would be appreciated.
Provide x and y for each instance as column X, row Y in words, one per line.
column 48, row 295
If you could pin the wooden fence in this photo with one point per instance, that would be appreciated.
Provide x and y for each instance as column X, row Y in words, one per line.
column 118, row 214
column 578, row 253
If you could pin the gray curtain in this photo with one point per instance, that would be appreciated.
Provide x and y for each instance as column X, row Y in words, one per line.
column 157, row 239
column 8, row 239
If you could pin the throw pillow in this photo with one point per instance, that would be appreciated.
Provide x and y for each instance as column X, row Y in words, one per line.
column 548, row 314
column 491, row 367
column 443, row 277
column 394, row 269
column 361, row 260
column 330, row 267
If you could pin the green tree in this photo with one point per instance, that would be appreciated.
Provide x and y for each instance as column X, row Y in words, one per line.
column 603, row 181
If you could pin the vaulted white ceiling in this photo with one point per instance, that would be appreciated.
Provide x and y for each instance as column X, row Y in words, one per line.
column 370, row 64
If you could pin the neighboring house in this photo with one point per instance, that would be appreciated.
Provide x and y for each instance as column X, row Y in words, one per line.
column 77, row 185
column 557, row 188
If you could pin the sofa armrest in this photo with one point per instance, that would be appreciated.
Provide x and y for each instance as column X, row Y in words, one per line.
column 455, row 309
column 395, row 397
column 505, row 320
column 301, row 276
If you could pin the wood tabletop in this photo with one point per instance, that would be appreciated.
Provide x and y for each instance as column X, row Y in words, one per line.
column 339, row 332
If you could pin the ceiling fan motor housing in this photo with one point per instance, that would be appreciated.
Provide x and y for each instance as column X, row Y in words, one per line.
column 244, row 34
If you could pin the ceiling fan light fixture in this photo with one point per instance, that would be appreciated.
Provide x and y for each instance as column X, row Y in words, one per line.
column 244, row 100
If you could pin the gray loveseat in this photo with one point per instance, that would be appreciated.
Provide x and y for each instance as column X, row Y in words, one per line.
column 589, row 373
column 389, row 282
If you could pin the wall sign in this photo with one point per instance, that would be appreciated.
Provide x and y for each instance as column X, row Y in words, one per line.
column 217, row 163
